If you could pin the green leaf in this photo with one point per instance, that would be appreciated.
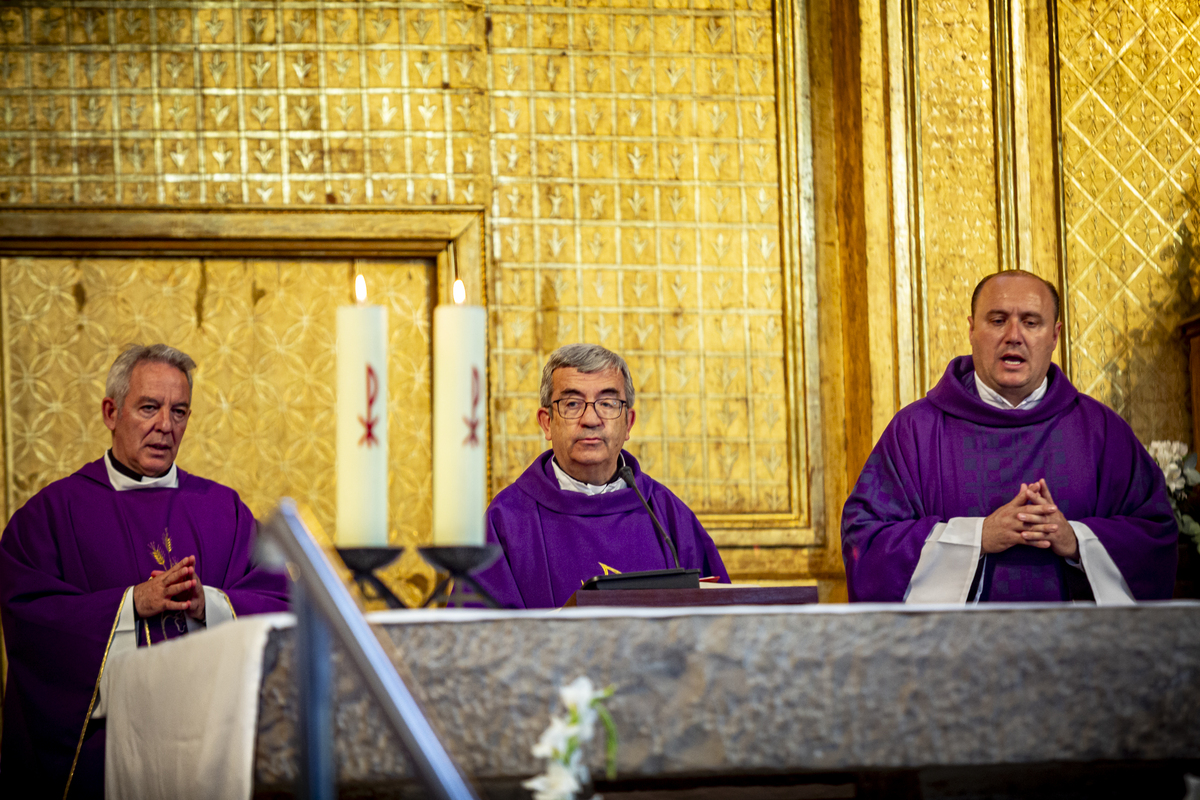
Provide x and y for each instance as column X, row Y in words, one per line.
column 610, row 743
column 1190, row 461
column 1191, row 475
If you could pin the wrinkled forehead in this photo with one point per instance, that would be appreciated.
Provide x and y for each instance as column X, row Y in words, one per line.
column 1015, row 292
column 159, row 380
column 570, row 380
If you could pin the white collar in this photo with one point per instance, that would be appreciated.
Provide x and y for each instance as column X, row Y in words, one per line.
column 122, row 482
column 996, row 400
column 569, row 484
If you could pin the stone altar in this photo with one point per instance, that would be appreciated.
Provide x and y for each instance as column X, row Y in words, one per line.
column 714, row 694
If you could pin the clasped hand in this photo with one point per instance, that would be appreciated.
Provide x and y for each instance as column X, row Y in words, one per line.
column 174, row 589
column 1031, row 518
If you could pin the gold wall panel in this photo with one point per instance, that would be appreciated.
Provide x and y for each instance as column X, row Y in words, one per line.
column 1130, row 88
column 263, row 334
column 957, row 169
column 627, row 154
column 641, row 210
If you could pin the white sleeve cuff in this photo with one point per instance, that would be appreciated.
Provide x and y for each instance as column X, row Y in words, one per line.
column 1108, row 585
column 948, row 562
column 217, row 610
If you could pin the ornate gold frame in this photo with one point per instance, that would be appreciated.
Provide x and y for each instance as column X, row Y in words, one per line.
column 451, row 235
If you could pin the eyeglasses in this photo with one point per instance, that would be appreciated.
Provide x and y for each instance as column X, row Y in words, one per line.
column 607, row 408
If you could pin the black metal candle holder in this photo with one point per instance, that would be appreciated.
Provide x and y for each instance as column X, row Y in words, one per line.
column 459, row 563
column 363, row 562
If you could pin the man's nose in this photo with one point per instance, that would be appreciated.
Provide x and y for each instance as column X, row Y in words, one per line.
column 1013, row 331
column 591, row 418
column 164, row 421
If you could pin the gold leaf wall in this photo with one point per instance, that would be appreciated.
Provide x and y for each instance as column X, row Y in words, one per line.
column 626, row 155
column 1127, row 94
column 958, row 170
column 263, row 335
column 1130, row 78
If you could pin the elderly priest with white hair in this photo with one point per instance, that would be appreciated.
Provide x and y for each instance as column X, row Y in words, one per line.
column 130, row 542
column 571, row 516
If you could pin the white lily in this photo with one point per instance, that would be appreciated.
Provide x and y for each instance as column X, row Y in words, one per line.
column 558, row 782
column 554, row 740
column 1174, row 475
column 579, row 697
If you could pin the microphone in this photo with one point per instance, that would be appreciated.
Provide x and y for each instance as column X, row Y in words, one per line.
column 626, row 473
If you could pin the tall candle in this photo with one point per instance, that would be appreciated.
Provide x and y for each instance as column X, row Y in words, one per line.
column 459, row 421
column 362, row 443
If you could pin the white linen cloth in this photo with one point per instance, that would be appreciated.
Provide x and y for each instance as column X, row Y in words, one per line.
column 951, row 553
column 183, row 715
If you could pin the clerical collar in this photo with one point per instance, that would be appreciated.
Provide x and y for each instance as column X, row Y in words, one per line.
column 123, row 478
column 569, row 484
column 996, row 400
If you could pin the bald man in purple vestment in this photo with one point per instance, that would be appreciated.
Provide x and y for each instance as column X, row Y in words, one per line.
column 128, row 551
column 1005, row 483
column 570, row 516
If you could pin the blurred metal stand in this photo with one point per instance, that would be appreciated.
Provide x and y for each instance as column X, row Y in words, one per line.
column 324, row 607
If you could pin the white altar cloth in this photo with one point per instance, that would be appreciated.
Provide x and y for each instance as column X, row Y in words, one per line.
column 183, row 715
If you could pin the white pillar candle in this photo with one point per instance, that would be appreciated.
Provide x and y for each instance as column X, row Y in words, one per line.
column 459, row 422
column 362, row 421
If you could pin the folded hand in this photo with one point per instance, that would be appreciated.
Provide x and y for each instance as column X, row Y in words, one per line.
column 174, row 589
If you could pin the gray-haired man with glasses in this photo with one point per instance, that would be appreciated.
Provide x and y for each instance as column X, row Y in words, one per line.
column 570, row 515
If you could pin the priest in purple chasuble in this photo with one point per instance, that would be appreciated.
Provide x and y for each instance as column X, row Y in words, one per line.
column 1005, row 483
column 128, row 549
column 570, row 516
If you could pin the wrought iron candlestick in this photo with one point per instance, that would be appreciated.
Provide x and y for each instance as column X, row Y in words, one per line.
column 364, row 562
column 459, row 563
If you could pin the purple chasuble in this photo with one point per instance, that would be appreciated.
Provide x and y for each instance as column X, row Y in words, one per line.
column 66, row 559
column 554, row 540
column 952, row 455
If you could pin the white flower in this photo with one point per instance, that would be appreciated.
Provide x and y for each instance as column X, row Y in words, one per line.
column 579, row 693
column 553, row 742
column 1174, row 475
column 578, row 696
column 558, row 782
column 1166, row 453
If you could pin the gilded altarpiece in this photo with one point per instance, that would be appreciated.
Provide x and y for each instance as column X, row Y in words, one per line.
column 1130, row 84
column 1059, row 138
column 626, row 154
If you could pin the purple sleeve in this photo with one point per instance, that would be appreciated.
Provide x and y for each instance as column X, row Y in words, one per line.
column 886, row 521
column 498, row 578
column 1133, row 517
column 251, row 589
column 56, row 635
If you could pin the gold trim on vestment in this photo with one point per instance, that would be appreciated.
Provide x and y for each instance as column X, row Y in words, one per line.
column 96, row 692
column 228, row 602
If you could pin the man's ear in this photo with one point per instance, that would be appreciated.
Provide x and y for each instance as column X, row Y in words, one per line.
column 629, row 425
column 970, row 324
column 109, row 410
column 543, row 418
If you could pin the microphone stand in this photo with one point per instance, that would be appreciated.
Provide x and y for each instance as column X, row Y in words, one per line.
column 626, row 473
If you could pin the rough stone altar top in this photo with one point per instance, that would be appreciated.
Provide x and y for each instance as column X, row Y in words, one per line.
column 774, row 689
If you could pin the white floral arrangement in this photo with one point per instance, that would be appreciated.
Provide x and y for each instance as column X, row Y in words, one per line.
column 562, row 743
column 1179, row 468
